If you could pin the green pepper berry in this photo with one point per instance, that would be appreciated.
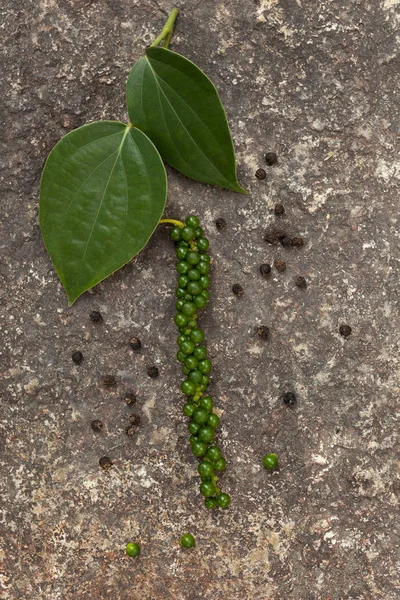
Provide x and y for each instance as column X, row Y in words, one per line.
column 203, row 268
column 270, row 461
column 213, row 420
column 194, row 288
column 200, row 352
column 205, row 380
column 179, row 303
column 204, row 366
column 180, row 319
column 191, row 362
column 187, row 233
column 205, row 469
column 194, row 275
column 214, row 453
column 220, row 464
column 193, row 438
column 202, row 244
column 206, row 434
column 197, row 336
column 223, row 500
column 199, row 300
column 183, row 280
column 192, row 221
column 204, row 280
column 188, row 388
column 175, row 234
column 194, row 428
column 201, row 415
column 182, row 267
column 199, row 448
column 206, row 294
column 181, row 253
column 207, row 489
column 193, row 258
column 132, row 549
column 210, row 502
column 187, row 347
column 199, row 232
column 207, row 402
column 188, row 309
column 187, row 541
column 189, row 409
column 185, row 370
column 192, row 323
column 180, row 356
column 195, row 376
column 180, row 292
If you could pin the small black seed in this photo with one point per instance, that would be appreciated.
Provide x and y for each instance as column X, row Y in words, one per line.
column 345, row 330
column 96, row 425
column 265, row 269
column 134, row 419
column 271, row 238
column 297, row 241
column 289, row 398
column 77, row 357
column 261, row 174
column 110, row 381
column 152, row 372
column 237, row 289
column 279, row 210
column 130, row 399
column 280, row 265
column 280, row 234
column 220, row 224
column 286, row 241
column 301, row 282
column 135, row 343
column 130, row 430
column 271, row 158
column 105, row 462
column 262, row 331
column 95, row 316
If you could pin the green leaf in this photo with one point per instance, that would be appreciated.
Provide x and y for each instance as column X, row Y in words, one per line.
column 102, row 194
column 178, row 107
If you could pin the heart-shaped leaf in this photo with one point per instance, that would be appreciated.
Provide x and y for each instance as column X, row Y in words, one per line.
column 102, row 194
column 177, row 106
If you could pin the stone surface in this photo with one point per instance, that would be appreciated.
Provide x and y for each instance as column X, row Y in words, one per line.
column 314, row 82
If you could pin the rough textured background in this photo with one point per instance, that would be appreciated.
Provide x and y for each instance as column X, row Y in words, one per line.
column 316, row 82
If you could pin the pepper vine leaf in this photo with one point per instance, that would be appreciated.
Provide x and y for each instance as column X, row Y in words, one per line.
column 177, row 106
column 102, row 194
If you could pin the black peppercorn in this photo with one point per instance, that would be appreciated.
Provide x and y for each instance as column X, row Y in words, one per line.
column 289, row 398
column 135, row 343
column 220, row 224
column 297, row 241
column 110, row 381
column 96, row 425
column 152, row 372
column 280, row 265
column 130, row 399
column 261, row 174
column 279, row 210
column 286, row 241
column 130, row 430
column 301, row 282
column 77, row 357
column 345, row 330
column 265, row 269
column 262, row 331
column 271, row 158
column 95, row 316
column 105, row 463
column 237, row 289
column 134, row 419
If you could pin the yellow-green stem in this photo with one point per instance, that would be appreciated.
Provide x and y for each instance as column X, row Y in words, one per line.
column 167, row 30
column 173, row 222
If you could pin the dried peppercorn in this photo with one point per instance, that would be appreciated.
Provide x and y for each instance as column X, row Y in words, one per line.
column 279, row 209
column 271, row 158
column 95, row 316
column 105, row 463
column 289, row 398
column 130, row 399
column 152, row 372
column 110, row 381
column 96, row 425
column 280, row 265
column 220, row 224
column 135, row 343
column 265, row 269
column 262, row 332
column 345, row 330
column 261, row 174
column 301, row 282
column 237, row 289
column 297, row 241
column 77, row 357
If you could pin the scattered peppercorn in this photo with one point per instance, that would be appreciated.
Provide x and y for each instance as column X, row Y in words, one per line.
column 96, row 425
column 286, row 241
column 77, row 357
column 110, row 381
column 261, row 174
column 105, row 463
column 220, row 224
column 289, row 398
column 265, row 269
column 187, row 541
column 272, row 237
column 152, row 372
column 345, row 330
column 279, row 210
column 301, row 282
column 134, row 419
column 130, row 430
column 237, row 289
column 297, row 241
column 135, row 343
column 280, row 265
column 270, row 461
column 132, row 549
column 262, row 331
column 271, row 158
column 95, row 316
column 130, row 399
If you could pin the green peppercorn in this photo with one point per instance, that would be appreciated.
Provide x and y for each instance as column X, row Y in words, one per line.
column 205, row 469
column 197, row 336
column 223, row 500
column 189, row 409
column 214, row 453
column 199, row 448
column 188, row 387
column 207, row 489
column 199, row 232
column 203, row 244
column 194, row 428
column 211, row 502
column 183, row 280
column 176, row 234
column 180, row 319
column 192, row 323
column 180, row 356
column 270, row 461
column 204, row 366
column 191, row 362
column 206, row 434
column 132, row 549
column 204, row 280
column 220, row 464
column 192, row 221
column 200, row 301
column 205, row 380
column 200, row 352
column 187, row 233
column 206, row 402
column 203, row 267
column 194, row 275
column 201, row 415
column 187, row 347
column 194, row 288
column 213, row 420
column 181, row 253
column 185, row 370
column 182, row 267
column 192, row 258
column 206, row 294
column 180, row 292
column 195, row 376
column 188, row 309
column 187, row 541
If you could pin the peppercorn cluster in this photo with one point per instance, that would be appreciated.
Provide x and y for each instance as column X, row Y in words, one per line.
column 193, row 268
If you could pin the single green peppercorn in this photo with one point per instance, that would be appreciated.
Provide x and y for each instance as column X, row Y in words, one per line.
column 183, row 244
column 200, row 352
column 193, row 438
column 207, row 489
column 179, row 303
column 206, row 294
column 188, row 388
column 223, row 500
column 201, row 416
column 211, row 502
column 270, row 461
column 176, row 234
column 205, row 380
column 197, row 336
column 189, row 409
column 180, row 293
column 192, row 221
column 188, row 297
column 204, row 280
column 204, row 366
column 203, row 244
column 206, row 434
column 194, row 428
column 185, row 370
column 192, row 258
column 132, row 549
column 203, row 267
column 187, row 348
column 194, row 288
column 220, row 464
column 213, row 420
column 194, row 275
column 199, row 448
column 214, row 453
column 200, row 301
column 187, row 541
column 207, row 402
column 182, row 267
column 187, row 233
column 180, row 356
column 199, row 232
column 183, row 280
column 181, row 253
column 205, row 469
column 180, row 319
column 191, row 362
column 195, row 376
column 182, row 338
column 192, row 323
column 188, row 309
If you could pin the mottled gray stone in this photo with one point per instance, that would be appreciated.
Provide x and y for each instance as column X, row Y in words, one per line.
column 316, row 82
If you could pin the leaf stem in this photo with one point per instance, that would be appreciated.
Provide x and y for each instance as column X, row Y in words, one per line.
column 173, row 222
column 167, row 30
